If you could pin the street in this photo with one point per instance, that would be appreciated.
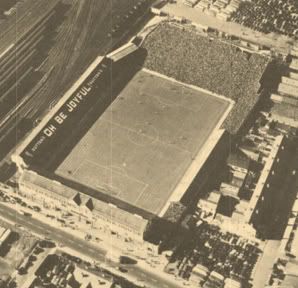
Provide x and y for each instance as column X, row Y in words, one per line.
column 149, row 279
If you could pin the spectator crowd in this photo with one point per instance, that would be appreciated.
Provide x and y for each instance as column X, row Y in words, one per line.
column 212, row 64
column 280, row 16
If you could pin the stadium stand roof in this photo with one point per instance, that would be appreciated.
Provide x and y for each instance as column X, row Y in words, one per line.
column 122, row 51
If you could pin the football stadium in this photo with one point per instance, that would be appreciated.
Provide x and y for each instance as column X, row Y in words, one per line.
column 153, row 136
column 137, row 143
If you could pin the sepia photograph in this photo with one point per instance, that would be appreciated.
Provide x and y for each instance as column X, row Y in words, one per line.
column 149, row 144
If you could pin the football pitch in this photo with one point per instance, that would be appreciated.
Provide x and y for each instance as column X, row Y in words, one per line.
column 143, row 144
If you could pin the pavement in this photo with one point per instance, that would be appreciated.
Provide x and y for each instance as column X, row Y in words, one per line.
column 142, row 272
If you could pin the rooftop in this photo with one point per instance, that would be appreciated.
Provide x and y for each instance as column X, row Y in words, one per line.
column 263, row 177
column 148, row 141
column 239, row 159
column 288, row 90
column 45, row 183
column 96, row 206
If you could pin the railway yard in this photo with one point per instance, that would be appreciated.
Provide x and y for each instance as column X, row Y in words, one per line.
column 54, row 62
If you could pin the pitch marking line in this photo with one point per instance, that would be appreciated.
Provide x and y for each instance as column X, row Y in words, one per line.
column 141, row 193
column 188, row 85
column 133, row 179
column 157, row 139
column 151, row 139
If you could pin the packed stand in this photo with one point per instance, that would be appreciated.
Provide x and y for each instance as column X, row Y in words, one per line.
column 267, row 16
column 208, row 63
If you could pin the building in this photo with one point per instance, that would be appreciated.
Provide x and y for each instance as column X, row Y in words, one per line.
column 294, row 65
column 53, row 194
column 289, row 81
column 294, row 75
column 229, row 190
column 239, row 162
column 262, row 192
column 287, row 89
column 56, row 271
column 215, row 280
column 284, row 99
column 238, row 178
column 157, row 6
column 190, row 3
column 87, row 280
column 255, row 184
column 285, row 109
column 231, row 283
column 209, row 205
column 199, row 274
column 294, row 52
column 288, row 249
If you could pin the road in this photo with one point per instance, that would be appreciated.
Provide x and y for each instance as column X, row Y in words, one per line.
column 86, row 248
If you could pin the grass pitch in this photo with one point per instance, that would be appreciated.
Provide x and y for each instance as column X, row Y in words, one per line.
column 142, row 145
